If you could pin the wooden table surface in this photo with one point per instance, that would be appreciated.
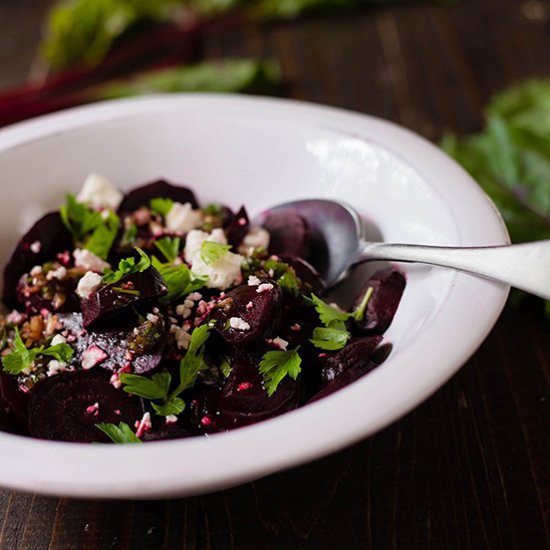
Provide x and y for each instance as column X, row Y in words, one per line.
column 470, row 468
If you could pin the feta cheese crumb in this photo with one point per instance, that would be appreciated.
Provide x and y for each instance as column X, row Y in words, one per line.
column 93, row 409
column 151, row 317
column 171, row 419
column 253, row 281
column 98, row 192
column 88, row 284
column 55, row 367
column 264, row 287
column 36, row 270
column 279, row 343
column 182, row 218
column 88, row 260
column 144, row 425
column 59, row 273
column 36, row 247
column 115, row 381
column 238, row 324
column 257, row 237
column 58, row 339
column 183, row 338
column 92, row 357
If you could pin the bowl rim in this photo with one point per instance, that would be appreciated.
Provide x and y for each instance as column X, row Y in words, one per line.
column 118, row 471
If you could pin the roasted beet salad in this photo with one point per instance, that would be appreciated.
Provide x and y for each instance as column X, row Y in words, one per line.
column 143, row 316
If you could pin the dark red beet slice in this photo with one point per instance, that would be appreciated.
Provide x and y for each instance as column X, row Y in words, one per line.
column 116, row 340
column 260, row 310
column 166, row 432
column 53, row 237
column 354, row 373
column 356, row 354
column 142, row 195
column 388, row 288
column 244, row 400
column 200, row 416
column 237, row 228
column 13, row 405
column 290, row 234
column 63, row 408
column 110, row 299
column 307, row 273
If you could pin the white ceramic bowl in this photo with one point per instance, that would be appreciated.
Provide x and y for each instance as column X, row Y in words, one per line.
column 260, row 152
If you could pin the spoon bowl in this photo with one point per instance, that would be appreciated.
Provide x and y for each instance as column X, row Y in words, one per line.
column 338, row 244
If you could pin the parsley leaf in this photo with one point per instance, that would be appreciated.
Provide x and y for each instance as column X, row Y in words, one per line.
column 126, row 266
column 156, row 387
column 161, row 206
column 22, row 357
column 90, row 230
column 332, row 337
column 180, row 280
column 169, row 248
column 327, row 313
column 119, row 434
column 275, row 365
column 211, row 251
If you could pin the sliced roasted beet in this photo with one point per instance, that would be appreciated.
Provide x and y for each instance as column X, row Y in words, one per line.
column 356, row 354
column 13, row 405
column 125, row 344
column 388, row 286
column 244, row 400
column 237, row 228
column 165, row 432
column 68, row 406
column 290, row 234
column 200, row 416
column 53, row 238
column 307, row 274
column 256, row 308
column 354, row 373
column 131, row 290
column 141, row 196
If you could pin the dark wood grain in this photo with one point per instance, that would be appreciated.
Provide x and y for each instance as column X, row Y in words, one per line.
column 470, row 468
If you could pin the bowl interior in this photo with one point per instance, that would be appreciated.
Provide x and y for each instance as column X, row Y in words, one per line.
column 260, row 153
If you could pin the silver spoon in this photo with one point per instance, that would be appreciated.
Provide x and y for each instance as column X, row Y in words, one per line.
column 339, row 244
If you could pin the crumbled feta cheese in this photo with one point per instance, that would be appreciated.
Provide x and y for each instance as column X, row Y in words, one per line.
column 257, row 237
column 58, row 339
column 253, row 281
column 195, row 296
column 93, row 409
column 152, row 317
column 280, row 343
column 238, row 324
column 115, row 381
column 92, row 357
column 98, row 192
column 88, row 260
column 59, row 273
column 144, row 425
column 171, row 419
column 36, row 270
column 183, row 338
column 55, row 367
column 36, row 247
column 15, row 317
column 88, row 284
column 264, row 287
column 222, row 273
column 182, row 218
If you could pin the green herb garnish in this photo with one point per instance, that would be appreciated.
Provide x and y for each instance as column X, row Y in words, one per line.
column 22, row 357
column 90, row 230
column 275, row 365
column 359, row 313
column 157, row 388
column 332, row 337
column 170, row 248
column 119, row 434
column 211, row 251
column 180, row 280
column 126, row 266
column 161, row 206
column 328, row 313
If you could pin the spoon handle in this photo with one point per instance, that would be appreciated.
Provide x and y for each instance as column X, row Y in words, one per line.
column 524, row 266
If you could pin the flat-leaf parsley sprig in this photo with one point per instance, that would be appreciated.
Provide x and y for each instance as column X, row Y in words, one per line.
column 276, row 365
column 22, row 358
column 157, row 388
